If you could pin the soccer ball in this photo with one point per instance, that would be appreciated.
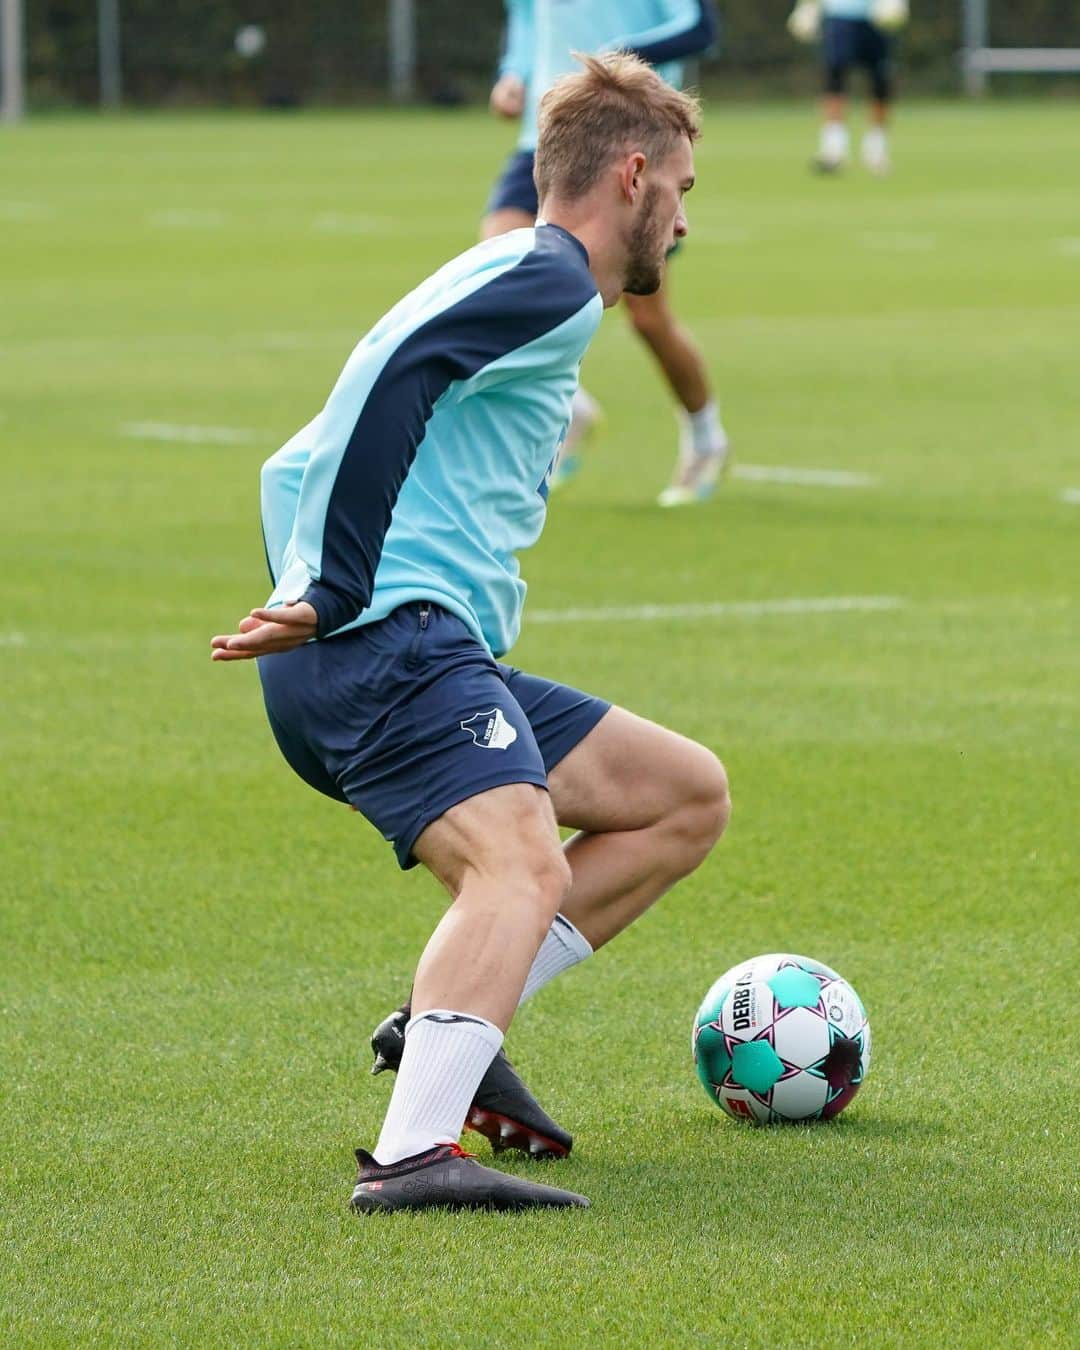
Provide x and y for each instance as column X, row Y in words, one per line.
column 781, row 1038
column 250, row 41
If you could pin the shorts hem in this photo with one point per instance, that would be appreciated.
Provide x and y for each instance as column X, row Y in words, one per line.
column 586, row 722
column 403, row 846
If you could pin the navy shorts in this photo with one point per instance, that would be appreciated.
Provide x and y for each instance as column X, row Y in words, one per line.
column 406, row 717
column 515, row 189
column 855, row 42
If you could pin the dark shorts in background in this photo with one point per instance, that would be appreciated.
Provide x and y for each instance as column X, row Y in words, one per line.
column 407, row 717
column 856, row 42
column 515, row 189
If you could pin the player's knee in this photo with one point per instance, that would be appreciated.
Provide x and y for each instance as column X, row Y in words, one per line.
column 540, row 884
column 706, row 808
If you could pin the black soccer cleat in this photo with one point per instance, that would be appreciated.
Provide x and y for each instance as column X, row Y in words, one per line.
column 445, row 1177
column 503, row 1110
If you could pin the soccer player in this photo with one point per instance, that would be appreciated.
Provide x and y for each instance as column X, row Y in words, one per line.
column 540, row 37
column 853, row 33
column 392, row 523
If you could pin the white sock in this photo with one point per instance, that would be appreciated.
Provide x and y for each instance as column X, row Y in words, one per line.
column 563, row 947
column 584, row 410
column 834, row 142
column 874, row 144
column 445, row 1056
column 707, row 435
column 584, row 405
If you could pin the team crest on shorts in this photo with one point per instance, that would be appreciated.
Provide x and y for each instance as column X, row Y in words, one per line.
column 490, row 729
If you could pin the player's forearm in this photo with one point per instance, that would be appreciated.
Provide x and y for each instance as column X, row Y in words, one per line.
column 518, row 41
column 335, row 607
column 690, row 30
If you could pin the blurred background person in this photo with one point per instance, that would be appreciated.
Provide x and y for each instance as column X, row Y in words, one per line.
column 540, row 36
column 853, row 33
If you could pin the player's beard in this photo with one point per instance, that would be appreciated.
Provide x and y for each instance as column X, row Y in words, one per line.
column 648, row 248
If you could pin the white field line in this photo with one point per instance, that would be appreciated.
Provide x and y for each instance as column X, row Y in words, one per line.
column 718, row 609
column 721, row 609
column 171, row 431
column 727, row 235
column 1071, row 496
column 898, row 241
column 187, row 218
column 24, row 211
column 779, row 473
column 287, row 341
column 332, row 222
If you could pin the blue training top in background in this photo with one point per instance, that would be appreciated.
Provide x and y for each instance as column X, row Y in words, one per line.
column 426, row 472
column 541, row 34
column 846, row 9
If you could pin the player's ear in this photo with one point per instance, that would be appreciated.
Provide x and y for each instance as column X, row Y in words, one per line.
column 632, row 170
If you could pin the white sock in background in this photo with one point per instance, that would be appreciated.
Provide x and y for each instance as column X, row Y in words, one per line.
column 445, row 1056
column 835, row 143
column 563, row 947
column 584, row 405
column 875, row 149
column 584, row 411
column 705, row 431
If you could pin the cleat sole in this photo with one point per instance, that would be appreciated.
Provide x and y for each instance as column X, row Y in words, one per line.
column 504, row 1134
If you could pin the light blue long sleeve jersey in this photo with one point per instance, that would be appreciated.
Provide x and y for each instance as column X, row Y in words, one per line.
column 426, row 472
column 846, row 9
column 541, row 34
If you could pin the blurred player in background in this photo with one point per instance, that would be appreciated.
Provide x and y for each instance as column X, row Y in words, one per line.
column 852, row 33
column 540, row 36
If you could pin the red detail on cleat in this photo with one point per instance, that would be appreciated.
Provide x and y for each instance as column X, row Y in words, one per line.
column 459, row 1152
column 505, row 1133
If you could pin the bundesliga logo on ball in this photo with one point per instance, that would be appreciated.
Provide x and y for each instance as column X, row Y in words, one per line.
column 781, row 1038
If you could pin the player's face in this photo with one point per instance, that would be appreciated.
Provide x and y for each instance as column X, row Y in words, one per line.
column 661, row 221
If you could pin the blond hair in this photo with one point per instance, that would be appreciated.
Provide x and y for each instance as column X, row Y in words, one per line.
column 617, row 104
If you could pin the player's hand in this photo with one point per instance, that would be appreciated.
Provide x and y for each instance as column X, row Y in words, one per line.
column 804, row 21
column 266, row 631
column 508, row 97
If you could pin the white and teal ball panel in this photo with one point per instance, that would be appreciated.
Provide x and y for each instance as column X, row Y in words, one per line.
column 781, row 1037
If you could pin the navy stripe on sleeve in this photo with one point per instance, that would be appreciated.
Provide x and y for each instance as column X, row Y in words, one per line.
column 690, row 42
column 549, row 285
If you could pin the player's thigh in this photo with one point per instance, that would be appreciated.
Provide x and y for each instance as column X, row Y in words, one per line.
column 513, row 203
column 629, row 773
column 651, row 315
column 838, row 52
column 506, row 833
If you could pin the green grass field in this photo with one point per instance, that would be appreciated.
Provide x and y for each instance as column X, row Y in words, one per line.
column 195, row 946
